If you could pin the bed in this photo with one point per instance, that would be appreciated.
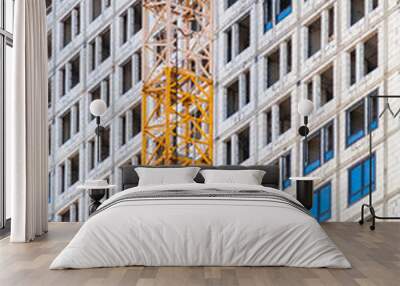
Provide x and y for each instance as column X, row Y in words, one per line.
column 198, row 224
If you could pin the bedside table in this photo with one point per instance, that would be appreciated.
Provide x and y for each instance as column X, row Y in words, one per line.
column 97, row 189
column 304, row 190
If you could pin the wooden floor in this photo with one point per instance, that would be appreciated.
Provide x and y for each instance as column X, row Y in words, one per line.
column 375, row 257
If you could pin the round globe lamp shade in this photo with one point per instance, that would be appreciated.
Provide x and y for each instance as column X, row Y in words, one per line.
column 305, row 107
column 98, row 107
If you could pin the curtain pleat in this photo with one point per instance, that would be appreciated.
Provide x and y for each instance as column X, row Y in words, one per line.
column 27, row 138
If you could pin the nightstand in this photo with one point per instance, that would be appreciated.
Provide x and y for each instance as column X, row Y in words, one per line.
column 97, row 189
column 304, row 190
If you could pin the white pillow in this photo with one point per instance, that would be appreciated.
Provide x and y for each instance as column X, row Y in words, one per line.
column 248, row 177
column 166, row 176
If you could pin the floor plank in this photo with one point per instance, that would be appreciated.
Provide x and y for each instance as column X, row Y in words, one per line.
column 375, row 257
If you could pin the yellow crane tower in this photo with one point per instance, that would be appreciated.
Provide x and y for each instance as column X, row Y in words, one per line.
column 177, row 95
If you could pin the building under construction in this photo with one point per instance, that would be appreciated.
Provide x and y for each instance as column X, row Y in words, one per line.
column 222, row 87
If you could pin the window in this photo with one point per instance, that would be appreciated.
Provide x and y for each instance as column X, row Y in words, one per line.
column 92, row 154
column 247, row 87
column 66, row 127
column 228, row 49
column 96, row 8
column 268, row 14
column 357, row 116
column 123, row 127
column 244, row 33
column 137, row 22
column 319, row 148
column 244, row 145
column 273, row 68
column 124, row 27
column 314, row 37
column 67, row 30
column 327, row 89
column 131, row 22
column 310, row 91
column 75, row 71
column 138, row 66
column 49, row 91
column 268, row 116
column 289, row 55
column 322, row 203
column 74, row 160
column 105, row 44
column 49, row 45
column 232, row 98
column 137, row 120
column 126, row 75
column 375, row 4
column 359, row 179
column 105, row 143
column 328, row 133
column 283, row 9
column 331, row 23
column 62, row 178
column 285, row 116
column 286, row 170
column 371, row 54
column 357, row 10
column 6, row 65
column 49, row 4
column 229, row 3
column 228, row 152
column 353, row 67
column 312, row 153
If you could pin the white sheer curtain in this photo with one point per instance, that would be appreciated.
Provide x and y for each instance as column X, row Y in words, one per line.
column 26, row 123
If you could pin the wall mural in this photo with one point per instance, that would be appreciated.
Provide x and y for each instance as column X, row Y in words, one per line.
column 187, row 90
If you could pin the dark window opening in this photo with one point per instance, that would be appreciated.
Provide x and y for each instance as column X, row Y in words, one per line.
column 248, row 87
column 314, row 37
column 273, row 69
column 328, row 142
column 74, row 169
column 232, row 98
column 312, row 153
column 269, row 126
column 244, row 145
column 63, row 81
column 228, row 154
column 355, row 123
column 137, row 120
column 49, row 4
column 75, row 71
column 124, row 27
column 289, row 56
column 286, row 171
column 327, row 88
column 357, row 10
column 96, row 9
column 228, row 50
column 66, row 127
column 49, row 45
column 49, row 92
column 371, row 54
column 67, row 30
column 229, row 3
column 353, row 67
column 62, row 178
column 331, row 23
column 374, row 116
column 244, row 33
column 285, row 116
column 126, row 76
column 268, row 14
column 105, row 44
column 137, row 24
column 375, row 4
column 65, row 216
column 123, row 129
column 92, row 155
column 310, row 91
column 105, row 144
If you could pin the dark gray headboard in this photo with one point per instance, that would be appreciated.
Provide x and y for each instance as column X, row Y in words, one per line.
column 130, row 178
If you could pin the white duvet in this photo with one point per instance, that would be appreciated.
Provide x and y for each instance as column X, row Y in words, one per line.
column 200, row 231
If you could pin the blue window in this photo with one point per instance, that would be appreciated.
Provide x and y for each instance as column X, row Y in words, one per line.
column 286, row 170
column 322, row 203
column 359, row 179
column 275, row 12
column 285, row 9
column 319, row 148
column 312, row 153
column 356, row 118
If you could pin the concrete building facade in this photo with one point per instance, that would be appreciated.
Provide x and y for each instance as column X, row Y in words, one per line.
column 268, row 55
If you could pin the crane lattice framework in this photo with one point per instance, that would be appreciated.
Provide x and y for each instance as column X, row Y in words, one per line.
column 177, row 95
